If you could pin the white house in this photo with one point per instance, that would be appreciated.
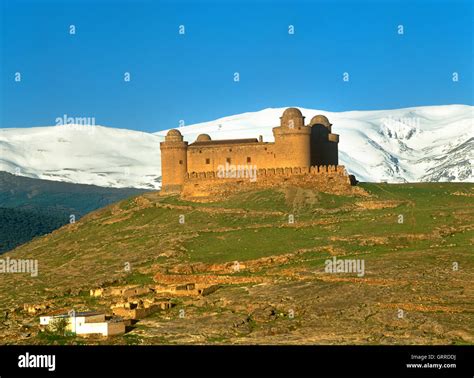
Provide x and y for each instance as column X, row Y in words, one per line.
column 87, row 323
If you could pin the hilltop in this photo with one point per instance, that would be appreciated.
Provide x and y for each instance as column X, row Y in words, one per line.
column 268, row 274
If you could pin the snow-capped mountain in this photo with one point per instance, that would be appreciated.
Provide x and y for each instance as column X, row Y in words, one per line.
column 82, row 154
column 431, row 143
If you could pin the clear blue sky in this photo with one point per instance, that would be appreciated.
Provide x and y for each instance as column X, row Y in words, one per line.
column 191, row 76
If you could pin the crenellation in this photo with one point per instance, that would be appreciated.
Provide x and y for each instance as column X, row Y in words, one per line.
column 327, row 170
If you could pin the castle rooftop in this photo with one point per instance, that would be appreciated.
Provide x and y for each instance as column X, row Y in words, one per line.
column 206, row 143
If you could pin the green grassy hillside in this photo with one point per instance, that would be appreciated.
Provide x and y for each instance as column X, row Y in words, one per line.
column 409, row 236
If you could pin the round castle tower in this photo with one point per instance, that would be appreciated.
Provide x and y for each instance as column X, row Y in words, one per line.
column 174, row 165
column 321, row 120
column 292, row 140
column 324, row 144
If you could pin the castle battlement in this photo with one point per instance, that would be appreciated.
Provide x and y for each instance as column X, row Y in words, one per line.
column 241, row 171
column 299, row 151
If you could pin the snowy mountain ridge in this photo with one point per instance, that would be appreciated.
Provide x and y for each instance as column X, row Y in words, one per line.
column 429, row 143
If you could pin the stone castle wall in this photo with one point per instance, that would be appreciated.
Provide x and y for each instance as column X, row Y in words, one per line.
column 208, row 158
column 289, row 149
column 312, row 149
column 330, row 178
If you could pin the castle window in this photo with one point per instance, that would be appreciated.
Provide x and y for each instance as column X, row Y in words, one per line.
column 180, row 162
column 230, row 149
column 227, row 160
column 249, row 160
column 208, row 161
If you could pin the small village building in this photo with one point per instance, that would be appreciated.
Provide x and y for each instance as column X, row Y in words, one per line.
column 87, row 323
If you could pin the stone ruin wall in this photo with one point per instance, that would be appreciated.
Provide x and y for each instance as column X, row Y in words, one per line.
column 328, row 178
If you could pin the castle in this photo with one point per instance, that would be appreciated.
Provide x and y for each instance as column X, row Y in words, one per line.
column 298, row 150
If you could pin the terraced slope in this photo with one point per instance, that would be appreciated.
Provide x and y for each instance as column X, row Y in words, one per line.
column 268, row 250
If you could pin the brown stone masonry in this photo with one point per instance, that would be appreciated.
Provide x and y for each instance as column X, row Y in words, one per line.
column 331, row 179
column 197, row 169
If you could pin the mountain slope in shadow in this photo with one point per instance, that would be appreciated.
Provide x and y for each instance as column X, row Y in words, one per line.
column 33, row 207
